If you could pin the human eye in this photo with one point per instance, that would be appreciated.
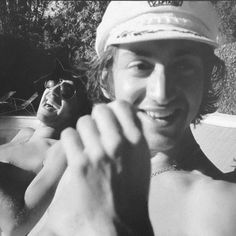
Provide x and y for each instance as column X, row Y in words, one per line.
column 187, row 66
column 140, row 68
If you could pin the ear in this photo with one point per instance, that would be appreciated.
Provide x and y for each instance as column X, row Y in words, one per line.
column 105, row 84
column 105, row 93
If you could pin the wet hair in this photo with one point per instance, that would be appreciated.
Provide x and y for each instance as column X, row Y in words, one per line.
column 214, row 78
column 215, row 70
column 84, row 104
column 95, row 83
column 82, row 95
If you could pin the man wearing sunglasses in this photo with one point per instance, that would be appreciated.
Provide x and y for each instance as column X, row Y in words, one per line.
column 62, row 102
column 59, row 105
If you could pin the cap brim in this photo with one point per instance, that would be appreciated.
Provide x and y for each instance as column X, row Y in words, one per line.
column 158, row 33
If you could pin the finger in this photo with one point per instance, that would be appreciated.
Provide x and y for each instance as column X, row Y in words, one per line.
column 91, row 139
column 139, row 155
column 126, row 115
column 109, row 129
column 73, row 148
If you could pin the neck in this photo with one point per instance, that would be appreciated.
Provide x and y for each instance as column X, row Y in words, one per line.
column 44, row 131
column 175, row 155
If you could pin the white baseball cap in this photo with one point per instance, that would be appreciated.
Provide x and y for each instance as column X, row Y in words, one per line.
column 137, row 21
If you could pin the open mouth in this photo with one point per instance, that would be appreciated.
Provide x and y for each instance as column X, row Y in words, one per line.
column 51, row 106
column 164, row 116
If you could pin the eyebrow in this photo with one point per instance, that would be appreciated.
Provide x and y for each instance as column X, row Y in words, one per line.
column 187, row 51
column 139, row 53
column 179, row 52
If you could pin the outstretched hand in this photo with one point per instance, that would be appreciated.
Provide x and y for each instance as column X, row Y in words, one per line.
column 104, row 189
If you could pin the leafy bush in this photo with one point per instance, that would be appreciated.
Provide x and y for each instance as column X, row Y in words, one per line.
column 227, row 103
column 74, row 26
column 227, row 20
column 49, row 24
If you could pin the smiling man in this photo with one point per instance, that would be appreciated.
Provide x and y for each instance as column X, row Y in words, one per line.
column 60, row 104
column 156, row 63
column 164, row 81
column 159, row 57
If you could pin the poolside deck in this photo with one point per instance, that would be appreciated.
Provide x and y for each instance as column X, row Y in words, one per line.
column 217, row 137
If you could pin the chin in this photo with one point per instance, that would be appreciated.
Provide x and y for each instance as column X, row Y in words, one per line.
column 162, row 141
column 161, row 145
column 50, row 121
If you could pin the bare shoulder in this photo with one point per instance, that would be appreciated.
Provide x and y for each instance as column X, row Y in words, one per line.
column 23, row 135
column 212, row 204
column 193, row 203
column 214, row 191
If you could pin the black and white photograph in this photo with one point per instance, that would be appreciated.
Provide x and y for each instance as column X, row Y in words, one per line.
column 118, row 118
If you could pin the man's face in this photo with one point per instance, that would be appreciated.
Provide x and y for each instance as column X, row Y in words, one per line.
column 56, row 111
column 164, row 81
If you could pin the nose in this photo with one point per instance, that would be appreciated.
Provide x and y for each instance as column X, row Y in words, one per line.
column 159, row 87
column 55, row 91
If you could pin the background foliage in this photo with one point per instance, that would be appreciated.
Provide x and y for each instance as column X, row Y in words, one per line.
column 227, row 18
column 227, row 52
column 67, row 28
column 50, row 24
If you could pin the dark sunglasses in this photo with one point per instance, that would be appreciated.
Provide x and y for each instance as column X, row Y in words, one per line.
column 67, row 87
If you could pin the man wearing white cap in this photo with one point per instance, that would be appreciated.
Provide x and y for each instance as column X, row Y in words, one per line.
column 156, row 63
column 168, row 94
column 159, row 57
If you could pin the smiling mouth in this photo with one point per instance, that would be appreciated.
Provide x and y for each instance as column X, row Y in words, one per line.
column 165, row 117
column 51, row 106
